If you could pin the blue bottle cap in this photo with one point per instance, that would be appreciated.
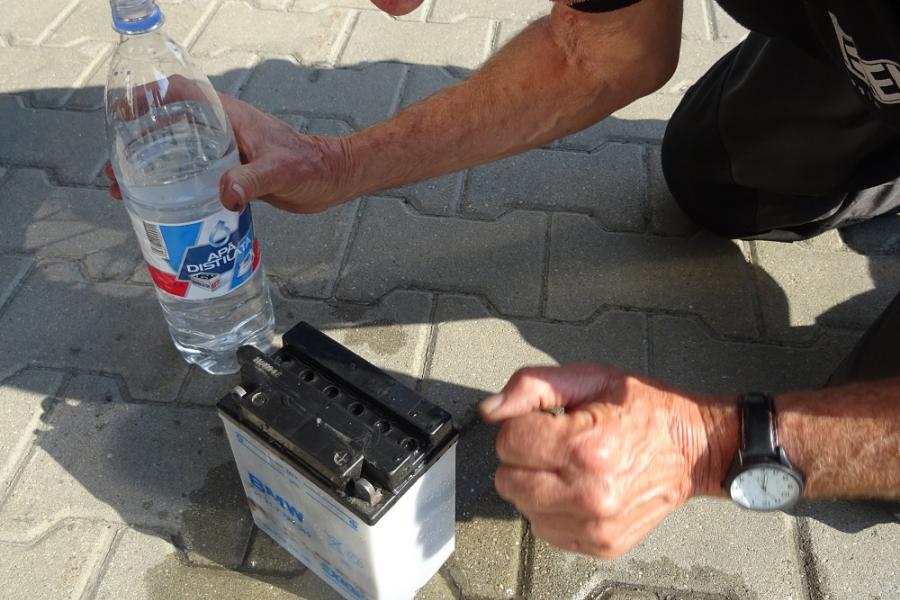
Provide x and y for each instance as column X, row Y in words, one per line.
column 144, row 24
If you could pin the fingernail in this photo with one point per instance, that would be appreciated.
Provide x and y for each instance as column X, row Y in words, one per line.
column 491, row 403
column 236, row 187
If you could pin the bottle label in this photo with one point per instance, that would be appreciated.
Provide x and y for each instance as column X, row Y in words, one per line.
column 203, row 259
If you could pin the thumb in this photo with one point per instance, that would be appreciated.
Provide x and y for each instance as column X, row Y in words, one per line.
column 547, row 388
column 241, row 184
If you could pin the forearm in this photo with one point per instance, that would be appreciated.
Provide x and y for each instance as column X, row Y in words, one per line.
column 536, row 89
column 845, row 441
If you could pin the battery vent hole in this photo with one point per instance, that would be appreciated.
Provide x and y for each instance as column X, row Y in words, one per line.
column 410, row 445
column 307, row 376
column 357, row 408
column 333, row 392
column 382, row 426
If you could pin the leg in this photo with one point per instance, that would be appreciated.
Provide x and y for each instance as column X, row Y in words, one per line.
column 774, row 144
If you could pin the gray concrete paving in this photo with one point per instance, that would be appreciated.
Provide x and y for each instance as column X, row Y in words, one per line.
column 115, row 479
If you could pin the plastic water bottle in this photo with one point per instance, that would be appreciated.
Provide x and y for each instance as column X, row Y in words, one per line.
column 171, row 142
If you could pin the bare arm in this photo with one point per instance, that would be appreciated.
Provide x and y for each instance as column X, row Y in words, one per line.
column 561, row 74
column 629, row 450
column 844, row 440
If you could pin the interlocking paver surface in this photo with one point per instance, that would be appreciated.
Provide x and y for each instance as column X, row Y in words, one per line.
column 115, row 478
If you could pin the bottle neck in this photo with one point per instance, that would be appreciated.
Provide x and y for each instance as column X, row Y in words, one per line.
column 134, row 17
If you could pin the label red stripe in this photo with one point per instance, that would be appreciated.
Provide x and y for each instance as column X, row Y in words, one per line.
column 168, row 283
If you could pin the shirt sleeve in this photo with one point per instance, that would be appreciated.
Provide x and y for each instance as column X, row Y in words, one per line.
column 597, row 6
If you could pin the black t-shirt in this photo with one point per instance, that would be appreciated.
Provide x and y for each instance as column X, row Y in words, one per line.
column 860, row 37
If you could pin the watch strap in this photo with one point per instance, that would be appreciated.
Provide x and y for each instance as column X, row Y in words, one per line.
column 759, row 433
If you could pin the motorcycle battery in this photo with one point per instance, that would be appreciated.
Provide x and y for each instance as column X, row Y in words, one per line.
column 346, row 468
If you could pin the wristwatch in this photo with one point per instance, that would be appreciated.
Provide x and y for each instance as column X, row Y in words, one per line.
column 761, row 477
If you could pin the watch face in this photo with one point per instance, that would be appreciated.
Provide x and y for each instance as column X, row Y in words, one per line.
column 765, row 487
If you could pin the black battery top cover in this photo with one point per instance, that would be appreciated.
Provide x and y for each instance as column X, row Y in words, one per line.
column 363, row 436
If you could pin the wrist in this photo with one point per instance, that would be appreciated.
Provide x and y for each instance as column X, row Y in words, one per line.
column 719, row 441
column 371, row 166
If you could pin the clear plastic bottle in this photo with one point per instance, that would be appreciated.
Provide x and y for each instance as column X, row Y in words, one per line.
column 170, row 144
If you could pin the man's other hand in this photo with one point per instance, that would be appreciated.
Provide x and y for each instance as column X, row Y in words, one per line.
column 291, row 171
column 600, row 476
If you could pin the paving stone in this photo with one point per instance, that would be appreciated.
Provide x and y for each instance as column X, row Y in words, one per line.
column 486, row 562
column 115, row 462
column 610, row 184
column 238, row 26
column 377, row 38
column 726, row 27
column 94, row 388
column 145, row 567
column 685, row 354
column 63, row 222
column 423, row 81
column 395, row 247
column 697, row 23
column 801, row 289
column 439, row 196
column 360, row 97
column 46, row 77
column 466, row 366
column 617, row 592
column 27, row 23
column 12, row 270
column 392, row 334
column 23, row 398
column 508, row 30
column 265, row 556
column 59, row 320
column 303, row 252
column 73, row 144
column 457, row 10
column 92, row 21
column 591, row 268
column 56, row 565
column 666, row 217
column 850, row 547
column 438, row 588
column 705, row 547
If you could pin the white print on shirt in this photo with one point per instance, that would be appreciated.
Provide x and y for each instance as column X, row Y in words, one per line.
column 877, row 79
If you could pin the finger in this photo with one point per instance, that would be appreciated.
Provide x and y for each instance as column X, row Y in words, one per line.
column 544, row 388
column 243, row 183
column 535, row 441
column 532, row 490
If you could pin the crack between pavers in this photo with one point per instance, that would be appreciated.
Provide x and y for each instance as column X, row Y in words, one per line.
column 56, row 22
column 93, row 583
column 809, row 565
column 598, row 314
column 545, row 267
column 16, row 284
column 432, row 343
column 347, row 250
column 343, row 38
column 757, row 300
column 400, row 92
column 526, row 557
column 204, row 20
